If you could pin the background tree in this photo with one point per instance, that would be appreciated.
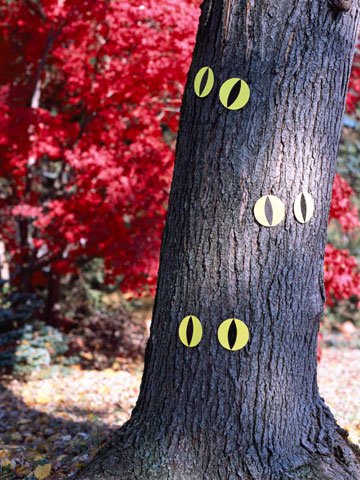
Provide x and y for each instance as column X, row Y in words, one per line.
column 207, row 412
column 89, row 105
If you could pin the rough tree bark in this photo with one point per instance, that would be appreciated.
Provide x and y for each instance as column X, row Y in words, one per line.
column 256, row 414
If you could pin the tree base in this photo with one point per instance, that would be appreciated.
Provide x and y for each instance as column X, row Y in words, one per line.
column 121, row 461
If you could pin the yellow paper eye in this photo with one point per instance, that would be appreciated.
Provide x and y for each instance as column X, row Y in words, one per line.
column 233, row 334
column 204, row 82
column 304, row 207
column 234, row 93
column 269, row 211
column 190, row 331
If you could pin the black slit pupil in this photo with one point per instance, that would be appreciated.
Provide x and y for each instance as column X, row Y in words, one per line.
column 189, row 331
column 234, row 93
column 204, row 81
column 303, row 206
column 232, row 334
column 269, row 211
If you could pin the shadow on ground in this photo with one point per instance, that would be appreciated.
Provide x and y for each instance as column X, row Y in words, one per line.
column 30, row 438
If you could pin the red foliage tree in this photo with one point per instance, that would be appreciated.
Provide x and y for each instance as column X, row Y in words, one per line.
column 90, row 100
column 89, row 104
column 353, row 95
column 342, row 276
column 342, row 209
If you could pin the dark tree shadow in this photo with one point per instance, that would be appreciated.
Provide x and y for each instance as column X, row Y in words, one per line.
column 27, row 434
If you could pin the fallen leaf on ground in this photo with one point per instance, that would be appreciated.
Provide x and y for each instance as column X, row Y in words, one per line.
column 42, row 471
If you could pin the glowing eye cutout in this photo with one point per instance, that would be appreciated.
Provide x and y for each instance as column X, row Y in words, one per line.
column 204, row 82
column 269, row 211
column 304, row 207
column 190, row 331
column 233, row 334
column 234, row 94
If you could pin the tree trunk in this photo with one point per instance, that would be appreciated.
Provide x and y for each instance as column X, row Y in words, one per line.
column 253, row 414
column 52, row 314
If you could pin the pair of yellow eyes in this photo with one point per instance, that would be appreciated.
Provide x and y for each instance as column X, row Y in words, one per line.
column 269, row 210
column 234, row 93
column 232, row 333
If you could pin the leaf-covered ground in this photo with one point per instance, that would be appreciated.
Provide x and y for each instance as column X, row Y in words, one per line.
column 51, row 427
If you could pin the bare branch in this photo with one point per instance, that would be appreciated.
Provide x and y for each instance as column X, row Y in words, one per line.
column 340, row 5
column 37, row 9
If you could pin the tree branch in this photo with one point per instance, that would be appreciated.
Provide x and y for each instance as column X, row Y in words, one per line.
column 340, row 5
column 37, row 9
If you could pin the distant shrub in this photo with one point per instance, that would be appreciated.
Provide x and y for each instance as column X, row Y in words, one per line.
column 32, row 348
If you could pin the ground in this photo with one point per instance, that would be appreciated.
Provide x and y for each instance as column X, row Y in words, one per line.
column 51, row 427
